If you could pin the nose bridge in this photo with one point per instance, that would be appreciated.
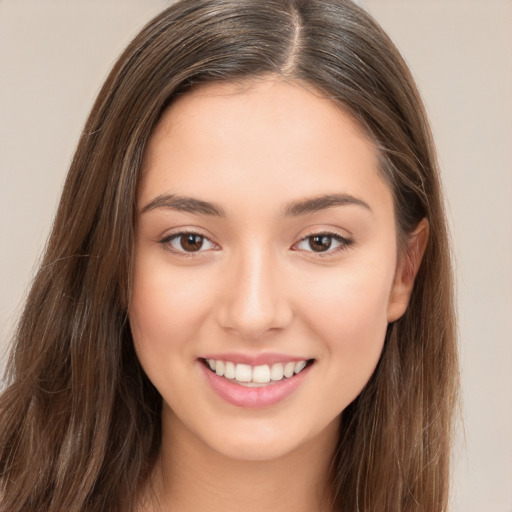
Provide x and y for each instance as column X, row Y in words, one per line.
column 255, row 301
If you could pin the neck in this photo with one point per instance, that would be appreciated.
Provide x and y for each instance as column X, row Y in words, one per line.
column 190, row 476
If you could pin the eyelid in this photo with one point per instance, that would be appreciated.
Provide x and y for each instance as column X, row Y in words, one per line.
column 344, row 241
column 166, row 240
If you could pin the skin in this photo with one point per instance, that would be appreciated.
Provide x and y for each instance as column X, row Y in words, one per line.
column 257, row 286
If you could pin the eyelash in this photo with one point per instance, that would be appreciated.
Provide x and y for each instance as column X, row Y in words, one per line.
column 166, row 242
column 344, row 243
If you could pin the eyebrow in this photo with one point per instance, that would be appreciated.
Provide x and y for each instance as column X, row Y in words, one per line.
column 323, row 202
column 293, row 209
column 184, row 204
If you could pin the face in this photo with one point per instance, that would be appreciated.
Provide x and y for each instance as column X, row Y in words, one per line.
column 264, row 271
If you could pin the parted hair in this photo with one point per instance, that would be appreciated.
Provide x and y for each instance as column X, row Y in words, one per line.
column 80, row 424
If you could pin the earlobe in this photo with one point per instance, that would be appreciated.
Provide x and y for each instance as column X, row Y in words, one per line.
column 406, row 271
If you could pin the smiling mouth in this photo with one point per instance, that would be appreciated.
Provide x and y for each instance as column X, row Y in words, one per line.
column 256, row 376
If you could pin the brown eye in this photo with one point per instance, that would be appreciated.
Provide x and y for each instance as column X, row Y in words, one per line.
column 187, row 243
column 329, row 243
column 320, row 243
column 191, row 242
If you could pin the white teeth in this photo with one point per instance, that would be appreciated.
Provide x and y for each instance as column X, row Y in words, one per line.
column 300, row 366
column 255, row 376
column 261, row 373
column 243, row 373
column 289, row 370
column 219, row 368
column 276, row 372
column 229, row 370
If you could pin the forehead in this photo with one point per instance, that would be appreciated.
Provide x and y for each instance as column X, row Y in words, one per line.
column 267, row 140
column 256, row 106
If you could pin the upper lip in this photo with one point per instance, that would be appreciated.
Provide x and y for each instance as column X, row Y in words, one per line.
column 255, row 359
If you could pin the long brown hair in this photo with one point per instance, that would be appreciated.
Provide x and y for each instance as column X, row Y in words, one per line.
column 80, row 421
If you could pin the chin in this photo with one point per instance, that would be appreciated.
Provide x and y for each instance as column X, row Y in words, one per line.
column 260, row 442
column 255, row 449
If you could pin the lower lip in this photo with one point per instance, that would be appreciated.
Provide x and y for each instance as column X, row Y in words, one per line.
column 243, row 396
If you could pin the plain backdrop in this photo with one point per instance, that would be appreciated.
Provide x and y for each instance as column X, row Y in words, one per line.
column 54, row 55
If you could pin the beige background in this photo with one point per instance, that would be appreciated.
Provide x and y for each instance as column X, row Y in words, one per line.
column 54, row 55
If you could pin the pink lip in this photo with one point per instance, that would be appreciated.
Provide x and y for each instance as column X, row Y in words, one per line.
column 243, row 396
column 255, row 359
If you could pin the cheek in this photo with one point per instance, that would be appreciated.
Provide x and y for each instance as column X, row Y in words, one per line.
column 349, row 317
column 352, row 301
column 166, row 310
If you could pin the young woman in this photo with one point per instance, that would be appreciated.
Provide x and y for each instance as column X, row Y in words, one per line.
column 246, row 299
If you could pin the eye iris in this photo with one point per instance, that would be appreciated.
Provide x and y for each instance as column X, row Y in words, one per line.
column 320, row 243
column 191, row 242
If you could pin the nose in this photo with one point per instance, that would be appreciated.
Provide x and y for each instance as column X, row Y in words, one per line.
column 253, row 301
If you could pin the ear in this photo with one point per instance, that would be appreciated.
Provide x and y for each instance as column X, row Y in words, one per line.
column 406, row 271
